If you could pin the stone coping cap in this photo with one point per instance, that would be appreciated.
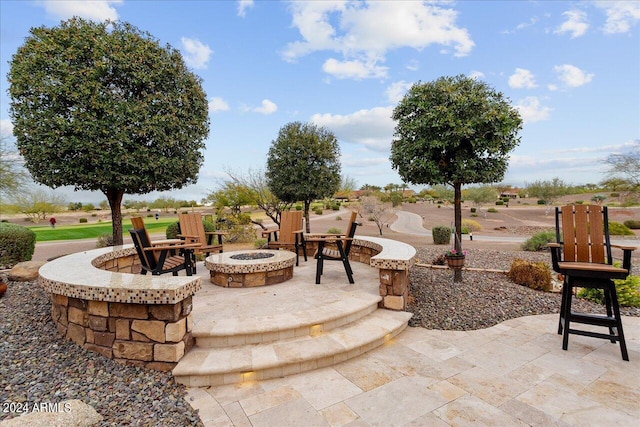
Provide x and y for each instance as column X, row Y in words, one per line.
column 393, row 255
column 224, row 263
column 77, row 276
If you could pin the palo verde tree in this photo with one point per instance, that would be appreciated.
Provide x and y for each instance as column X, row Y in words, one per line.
column 455, row 131
column 103, row 106
column 303, row 164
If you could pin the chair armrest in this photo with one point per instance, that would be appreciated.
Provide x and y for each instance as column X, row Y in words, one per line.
column 188, row 236
column 210, row 234
column 171, row 247
column 625, row 248
column 166, row 242
column 626, row 257
column 556, row 254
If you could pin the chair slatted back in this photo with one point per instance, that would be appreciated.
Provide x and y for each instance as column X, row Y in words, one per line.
column 290, row 221
column 191, row 225
column 585, row 233
column 141, row 241
column 138, row 224
column 351, row 231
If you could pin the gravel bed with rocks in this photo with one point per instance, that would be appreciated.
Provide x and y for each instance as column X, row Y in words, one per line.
column 482, row 299
column 38, row 366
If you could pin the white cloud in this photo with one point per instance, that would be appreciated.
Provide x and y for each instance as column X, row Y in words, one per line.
column 476, row 75
column 531, row 110
column 6, row 128
column 243, row 5
column 372, row 128
column 96, row 10
column 353, row 69
column 218, row 104
column 572, row 76
column 196, row 54
column 267, row 107
column 576, row 24
column 363, row 32
column 413, row 65
column 522, row 79
column 621, row 15
column 396, row 91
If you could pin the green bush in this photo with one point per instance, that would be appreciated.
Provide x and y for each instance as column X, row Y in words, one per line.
column 298, row 207
column 17, row 244
column 628, row 292
column 172, row 231
column 104, row 240
column 83, row 220
column 632, row 224
column 260, row 243
column 539, row 241
column 542, row 202
column 618, row 229
column 334, row 230
column 473, row 210
column 471, row 225
column 441, row 234
column 614, row 194
column 492, row 210
column 318, row 211
column 499, row 203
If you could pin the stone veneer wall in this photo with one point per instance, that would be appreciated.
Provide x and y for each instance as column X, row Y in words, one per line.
column 155, row 336
column 394, row 279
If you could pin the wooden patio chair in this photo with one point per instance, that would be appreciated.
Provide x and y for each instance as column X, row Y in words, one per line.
column 290, row 235
column 161, row 259
column 138, row 223
column 582, row 255
column 342, row 243
column 192, row 231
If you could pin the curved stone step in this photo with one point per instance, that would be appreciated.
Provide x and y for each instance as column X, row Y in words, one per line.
column 203, row 367
column 230, row 332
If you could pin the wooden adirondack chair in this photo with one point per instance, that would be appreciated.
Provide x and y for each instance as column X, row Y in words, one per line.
column 290, row 235
column 161, row 259
column 582, row 255
column 341, row 253
column 138, row 223
column 192, row 231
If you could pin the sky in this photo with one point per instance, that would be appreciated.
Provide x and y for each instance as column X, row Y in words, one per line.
column 572, row 69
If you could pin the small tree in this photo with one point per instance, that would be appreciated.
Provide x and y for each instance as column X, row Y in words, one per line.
column 303, row 164
column 627, row 168
column 103, row 106
column 37, row 203
column 481, row 194
column 13, row 177
column 548, row 191
column 455, row 131
column 374, row 210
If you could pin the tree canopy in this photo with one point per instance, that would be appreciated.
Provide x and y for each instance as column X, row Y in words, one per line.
column 455, row 131
column 303, row 164
column 105, row 107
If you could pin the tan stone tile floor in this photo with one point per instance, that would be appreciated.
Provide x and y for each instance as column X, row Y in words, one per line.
column 512, row 374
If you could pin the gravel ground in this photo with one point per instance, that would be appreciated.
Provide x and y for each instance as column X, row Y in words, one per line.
column 37, row 366
column 482, row 299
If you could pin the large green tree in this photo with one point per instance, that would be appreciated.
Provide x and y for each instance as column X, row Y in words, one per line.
column 303, row 164
column 105, row 107
column 455, row 131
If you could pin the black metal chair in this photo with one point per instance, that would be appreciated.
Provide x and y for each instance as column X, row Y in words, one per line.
column 341, row 253
column 582, row 255
column 162, row 259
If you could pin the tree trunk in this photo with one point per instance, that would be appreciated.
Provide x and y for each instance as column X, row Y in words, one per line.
column 307, row 205
column 457, row 209
column 115, row 202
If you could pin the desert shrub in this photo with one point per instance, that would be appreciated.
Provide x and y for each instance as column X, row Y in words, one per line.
column 338, row 218
column 499, row 203
column 542, row 202
column 614, row 194
column 618, row 229
column 441, row 235
column 474, row 215
column 298, row 207
column 473, row 210
column 439, row 260
column 172, row 231
column 539, row 241
column 104, row 240
column 578, row 202
column 318, row 211
column 535, row 275
column 506, row 199
column 83, row 220
column 260, row 243
column 94, row 214
column 411, row 200
column 17, row 244
column 632, row 224
column 628, row 292
column 471, row 225
column 334, row 230
column 492, row 210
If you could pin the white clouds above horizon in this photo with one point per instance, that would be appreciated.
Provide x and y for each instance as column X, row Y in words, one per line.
column 243, row 5
column 266, row 107
column 532, row 110
column 363, row 32
column 95, row 10
column 576, row 24
column 371, row 128
column 196, row 54
column 621, row 15
column 218, row 104
column 396, row 91
column 572, row 76
column 522, row 79
column 6, row 128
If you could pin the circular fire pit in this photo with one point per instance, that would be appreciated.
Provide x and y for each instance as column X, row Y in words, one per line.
column 250, row 268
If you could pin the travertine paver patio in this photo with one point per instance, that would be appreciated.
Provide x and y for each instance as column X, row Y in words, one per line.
column 514, row 373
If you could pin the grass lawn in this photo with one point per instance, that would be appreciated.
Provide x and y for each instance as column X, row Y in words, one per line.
column 45, row 233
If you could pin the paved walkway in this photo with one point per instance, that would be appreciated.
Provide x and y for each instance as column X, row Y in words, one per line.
column 514, row 374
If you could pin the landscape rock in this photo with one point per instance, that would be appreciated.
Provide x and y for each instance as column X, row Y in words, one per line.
column 25, row 271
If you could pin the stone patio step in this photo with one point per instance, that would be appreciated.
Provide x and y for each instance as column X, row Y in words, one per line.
column 203, row 367
column 228, row 332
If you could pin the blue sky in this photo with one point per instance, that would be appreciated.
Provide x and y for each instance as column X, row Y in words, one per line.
column 572, row 68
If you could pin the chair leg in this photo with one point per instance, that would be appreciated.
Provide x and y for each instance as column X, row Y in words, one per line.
column 345, row 262
column 607, row 302
column 616, row 312
column 565, row 287
column 567, row 315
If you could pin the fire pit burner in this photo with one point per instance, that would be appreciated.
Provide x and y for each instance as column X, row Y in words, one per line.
column 252, row 255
